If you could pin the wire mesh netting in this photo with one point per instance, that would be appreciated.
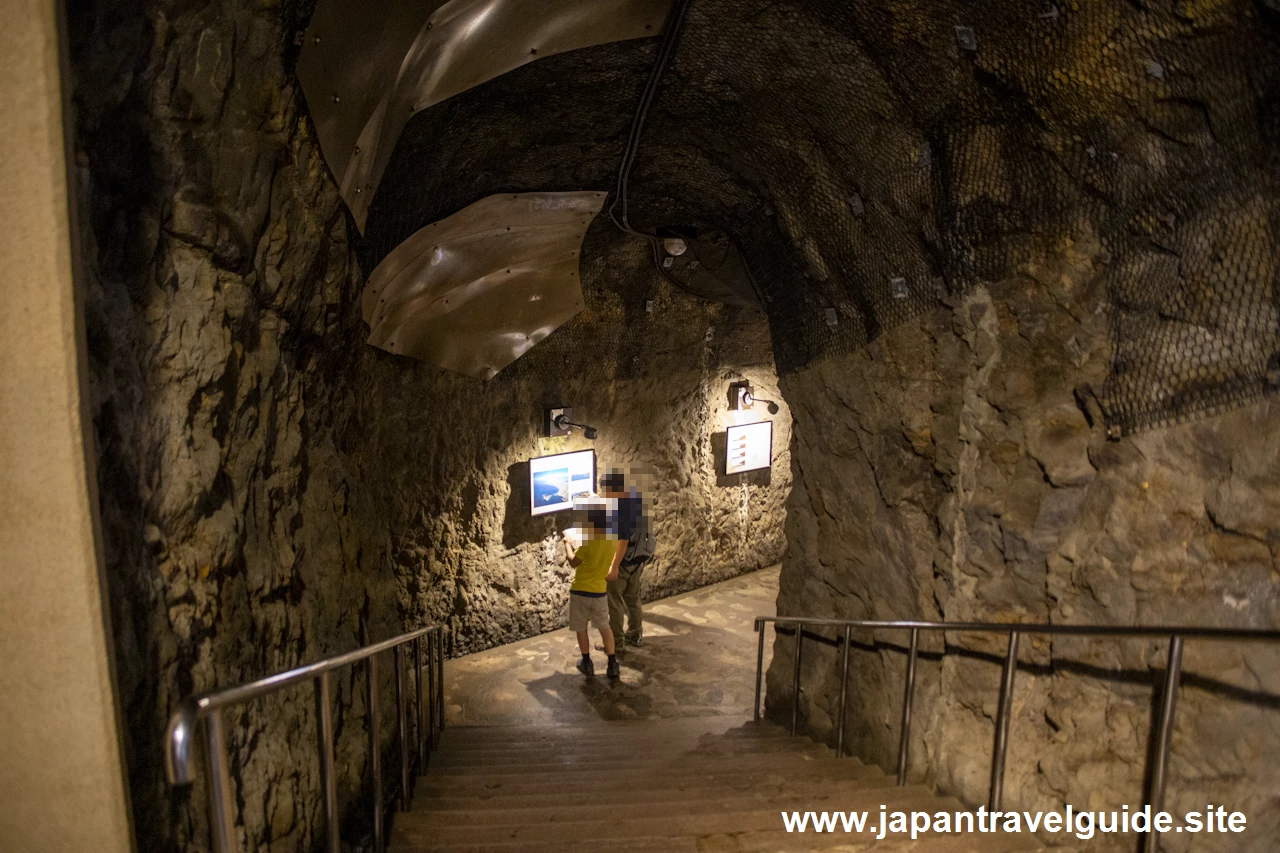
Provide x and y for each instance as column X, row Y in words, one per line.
column 869, row 159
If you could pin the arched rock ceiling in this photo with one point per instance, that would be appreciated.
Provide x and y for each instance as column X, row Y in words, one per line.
column 366, row 68
column 872, row 158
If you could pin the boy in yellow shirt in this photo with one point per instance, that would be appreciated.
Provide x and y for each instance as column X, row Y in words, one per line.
column 595, row 563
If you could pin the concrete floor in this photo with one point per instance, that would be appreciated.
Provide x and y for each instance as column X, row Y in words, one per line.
column 698, row 660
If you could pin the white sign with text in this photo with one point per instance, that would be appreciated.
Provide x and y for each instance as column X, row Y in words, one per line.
column 749, row 447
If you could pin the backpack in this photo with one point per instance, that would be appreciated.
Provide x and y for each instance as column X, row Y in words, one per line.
column 640, row 545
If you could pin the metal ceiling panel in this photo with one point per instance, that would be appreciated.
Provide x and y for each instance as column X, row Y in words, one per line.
column 367, row 67
column 475, row 291
column 351, row 57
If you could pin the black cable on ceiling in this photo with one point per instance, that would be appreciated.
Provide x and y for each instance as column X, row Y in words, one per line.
column 668, row 47
column 675, row 23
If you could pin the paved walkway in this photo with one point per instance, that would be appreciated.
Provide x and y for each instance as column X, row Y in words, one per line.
column 698, row 660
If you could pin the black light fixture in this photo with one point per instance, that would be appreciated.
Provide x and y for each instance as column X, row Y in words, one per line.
column 742, row 397
column 773, row 407
column 589, row 431
column 558, row 423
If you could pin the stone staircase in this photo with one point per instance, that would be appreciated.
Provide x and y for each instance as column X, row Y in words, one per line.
column 708, row 785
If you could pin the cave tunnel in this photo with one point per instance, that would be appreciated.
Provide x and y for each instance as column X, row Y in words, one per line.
column 327, row 320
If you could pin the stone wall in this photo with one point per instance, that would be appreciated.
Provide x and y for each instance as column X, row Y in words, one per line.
column 465, row 546
column 237, row 542
column 272, row 490
column 957, row 469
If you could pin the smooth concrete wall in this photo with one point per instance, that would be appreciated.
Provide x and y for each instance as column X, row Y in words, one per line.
column 61, row 785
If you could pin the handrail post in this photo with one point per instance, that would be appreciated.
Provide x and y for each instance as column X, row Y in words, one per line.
column 404, row 725
column 1164, row 737
column 844, row 690
column 795, row 679
column 759, row 666
column 1002, row 723
column 909, row 690
column 434, row 666
column 439, row 675
column 375, row 747
column 328, row 772
column 219, row 774
column 431, row 697
column 440, row 658
column 417, row 702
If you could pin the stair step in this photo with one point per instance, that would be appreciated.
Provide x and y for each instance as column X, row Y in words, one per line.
column 503, row 745
column 564, row 838
column 559, row 810
column 621, row 757
column 735, row 820
column 485, row 735
column 627, row 845
column 828, row 770
column 706, row 721
column 624, row 751
column 848, row 774
column 660, row 730
column 552, row 772
column 781, row 841
column 752, row 843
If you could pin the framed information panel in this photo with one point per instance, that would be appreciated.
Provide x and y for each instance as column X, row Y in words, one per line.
column 555, row 482
column 749, row 448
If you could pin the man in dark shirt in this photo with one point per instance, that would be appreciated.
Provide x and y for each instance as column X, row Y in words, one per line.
column 626, row 520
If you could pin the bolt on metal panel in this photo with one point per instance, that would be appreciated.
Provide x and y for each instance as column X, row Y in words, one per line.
column 366, row 68
column 476, row 290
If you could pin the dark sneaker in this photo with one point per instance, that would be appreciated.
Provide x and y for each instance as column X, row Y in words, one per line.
column 637, row 640
column 586, row 666
column 613, row 670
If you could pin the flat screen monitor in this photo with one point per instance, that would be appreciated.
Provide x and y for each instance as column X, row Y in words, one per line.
column 555, row 482
column 749, row 448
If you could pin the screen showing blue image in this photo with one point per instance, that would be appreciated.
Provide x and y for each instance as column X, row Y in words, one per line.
column 550, row 487
column 555, row 482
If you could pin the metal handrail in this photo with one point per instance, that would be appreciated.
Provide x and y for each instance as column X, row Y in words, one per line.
column 1169, row 695
column 179, row 737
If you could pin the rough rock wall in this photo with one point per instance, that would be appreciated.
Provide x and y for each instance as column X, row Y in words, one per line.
column 274, row 491
column 868, row 155
column 237, row 541
column 957, row 469
column 465, row 546
column 647, row 366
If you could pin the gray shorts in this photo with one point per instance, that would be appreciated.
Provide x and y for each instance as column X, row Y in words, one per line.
column 586, row 608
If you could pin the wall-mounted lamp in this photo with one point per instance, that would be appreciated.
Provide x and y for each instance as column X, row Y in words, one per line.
column 743, row 397
column 558, row 422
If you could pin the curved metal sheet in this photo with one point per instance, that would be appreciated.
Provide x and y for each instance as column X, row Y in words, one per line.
column 366, row 70
column 475, row 291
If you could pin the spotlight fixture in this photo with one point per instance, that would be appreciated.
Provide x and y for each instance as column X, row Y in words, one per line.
column 589, row 431
column 743, row 397
column 675, row 246
column 558, row 423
